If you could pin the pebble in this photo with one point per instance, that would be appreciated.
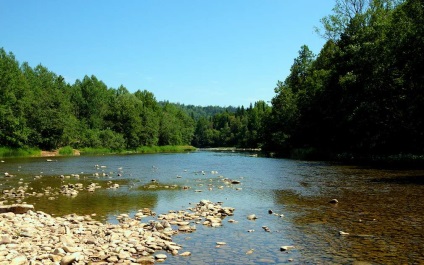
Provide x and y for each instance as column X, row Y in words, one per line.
column 250, row 251
column 343, row 233
column 252, row 217
column 73, row 239
column 285, row 248
column 266, row 229
column 20, row 260
column 160, row 256
column 334, row 201
column 66, row 260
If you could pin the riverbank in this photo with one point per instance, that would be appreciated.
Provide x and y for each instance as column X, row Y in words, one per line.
column 231, row 149
column 19, row 152
column 35, row 237
column 140, row 150
column 401, row 160
column 69, row 151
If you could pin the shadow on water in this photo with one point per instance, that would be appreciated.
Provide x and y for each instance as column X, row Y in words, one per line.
column 382, row 212
column 404, row 180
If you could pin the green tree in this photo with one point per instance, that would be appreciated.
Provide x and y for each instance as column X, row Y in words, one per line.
column 13, row 102
column 91, row 100
column 176, row 127
column 150, row 117
column 48, row 113
column 125, row 117
column 283, row 119
column 344, row 11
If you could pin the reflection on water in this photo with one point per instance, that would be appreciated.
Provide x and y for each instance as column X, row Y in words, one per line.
column 382, row 210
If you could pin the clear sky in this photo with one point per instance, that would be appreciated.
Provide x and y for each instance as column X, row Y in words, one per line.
column 200, row 52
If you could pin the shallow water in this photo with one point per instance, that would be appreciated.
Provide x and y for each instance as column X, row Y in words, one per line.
column 382, row 210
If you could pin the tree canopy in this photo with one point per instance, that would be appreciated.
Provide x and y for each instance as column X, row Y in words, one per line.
column 39, row 109
column 363, row 93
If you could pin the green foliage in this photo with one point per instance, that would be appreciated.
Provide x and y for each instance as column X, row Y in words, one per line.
column 96, row 151
column 363, row 93
column 66, row 151
column 243, row 128
column 39, row 109
column 176, row 127
column 19, row 152
column 138, row 150
column 164, row 149
column 14, row 131
column 197, row 112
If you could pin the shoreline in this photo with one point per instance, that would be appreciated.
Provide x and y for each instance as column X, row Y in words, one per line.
column 233, row 149
column 22, row 153
column 35, row 237
column 56, row 153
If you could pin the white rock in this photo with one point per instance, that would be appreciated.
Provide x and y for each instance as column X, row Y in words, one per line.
column 285, row 248
column 72, row 249
column 343, row 233
column 334, row 201
column 252, row 217
column 160, row 256
column 19, row 260
column 5, row 239
column 67, row 260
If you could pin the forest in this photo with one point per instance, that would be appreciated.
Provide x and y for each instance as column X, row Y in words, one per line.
column 361, row 95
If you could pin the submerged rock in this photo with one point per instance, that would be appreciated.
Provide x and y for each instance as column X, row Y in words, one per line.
column 250, row 251
column 252, row 217
column 333, row 201
column 160, row 256
column 266, row 229
column 285, row 248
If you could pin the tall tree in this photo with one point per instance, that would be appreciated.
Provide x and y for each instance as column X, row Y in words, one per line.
column 344, row 11
column 48, row 114
column 13, row 102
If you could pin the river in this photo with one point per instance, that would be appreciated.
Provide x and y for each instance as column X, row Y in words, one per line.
column 381, row 210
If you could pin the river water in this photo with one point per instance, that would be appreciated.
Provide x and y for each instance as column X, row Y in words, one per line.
column 382, row 210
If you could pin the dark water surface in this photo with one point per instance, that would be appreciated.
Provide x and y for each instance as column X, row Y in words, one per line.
column 382, row 210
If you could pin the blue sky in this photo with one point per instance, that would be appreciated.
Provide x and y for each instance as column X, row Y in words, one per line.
column 200, row 52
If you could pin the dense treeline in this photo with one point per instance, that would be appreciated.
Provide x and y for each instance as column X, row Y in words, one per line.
column 39, row 109
column 197, row 112
column 243, row 128
column 363, row 93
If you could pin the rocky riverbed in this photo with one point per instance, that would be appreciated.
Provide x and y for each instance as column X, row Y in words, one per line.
column 33, row 237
